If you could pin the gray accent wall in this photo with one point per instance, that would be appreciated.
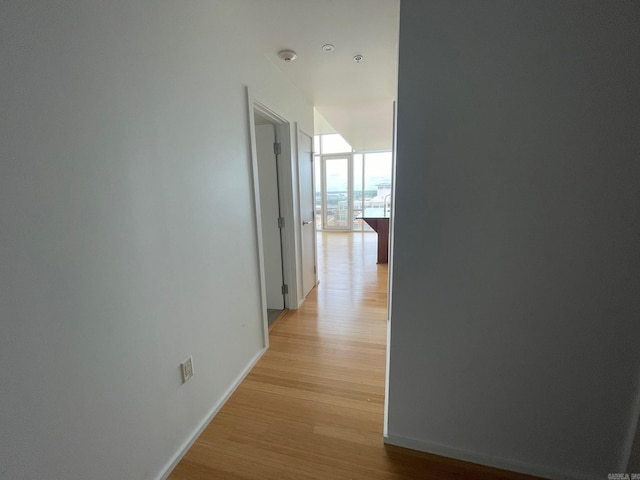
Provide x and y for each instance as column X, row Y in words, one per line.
column 515, row 322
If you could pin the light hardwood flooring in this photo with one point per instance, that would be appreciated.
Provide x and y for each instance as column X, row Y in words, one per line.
column 312, row 407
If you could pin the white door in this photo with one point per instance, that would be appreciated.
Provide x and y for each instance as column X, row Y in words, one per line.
column 307, row 211
column 270, row 211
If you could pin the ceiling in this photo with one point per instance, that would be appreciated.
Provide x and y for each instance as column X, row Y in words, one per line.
column 354, row 99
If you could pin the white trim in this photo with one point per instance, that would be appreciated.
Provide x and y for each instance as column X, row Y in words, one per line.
column 301, row 297
column 258, row 218
column 191, row 439
column 289, row 210
column 496, row 462
column 298, row 224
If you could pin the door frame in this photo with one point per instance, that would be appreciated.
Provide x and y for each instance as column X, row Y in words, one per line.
column 287, row 173
column 313, row 219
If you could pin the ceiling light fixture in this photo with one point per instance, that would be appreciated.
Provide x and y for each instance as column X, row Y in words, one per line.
column 358, row 58
column 287, row 55
column 327, row 47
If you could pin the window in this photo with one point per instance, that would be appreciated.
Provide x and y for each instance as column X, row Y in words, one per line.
column 350, row 185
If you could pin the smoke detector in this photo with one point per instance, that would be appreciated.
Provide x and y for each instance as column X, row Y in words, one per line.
column 287, row 55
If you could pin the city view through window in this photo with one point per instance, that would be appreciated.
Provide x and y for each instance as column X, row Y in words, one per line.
column 349, row 185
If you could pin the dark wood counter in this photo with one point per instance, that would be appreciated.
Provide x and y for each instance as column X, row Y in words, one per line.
column 381, row 227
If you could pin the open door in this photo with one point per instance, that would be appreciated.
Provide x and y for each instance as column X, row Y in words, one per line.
column 270, row 214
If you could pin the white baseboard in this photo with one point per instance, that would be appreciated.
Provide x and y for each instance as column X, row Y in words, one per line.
column 496, row 462
column 166, row 471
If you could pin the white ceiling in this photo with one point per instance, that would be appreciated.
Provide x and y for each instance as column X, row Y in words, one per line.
column 356, row 99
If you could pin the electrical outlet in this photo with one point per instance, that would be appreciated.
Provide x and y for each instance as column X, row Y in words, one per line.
column 187, row 369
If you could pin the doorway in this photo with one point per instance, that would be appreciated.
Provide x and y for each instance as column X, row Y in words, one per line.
column 276, row 211
column 268, row 149
column 285, row 234
column 270, row 214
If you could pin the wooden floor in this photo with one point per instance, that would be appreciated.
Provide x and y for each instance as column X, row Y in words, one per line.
column 312, row 408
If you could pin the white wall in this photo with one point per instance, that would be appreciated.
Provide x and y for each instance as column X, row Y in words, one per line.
column 516, row 305
column 127, row 229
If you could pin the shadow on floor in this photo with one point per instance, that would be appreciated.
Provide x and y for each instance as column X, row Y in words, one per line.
column 272, row 315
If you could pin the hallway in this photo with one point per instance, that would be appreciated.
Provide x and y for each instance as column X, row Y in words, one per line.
column 313, row 405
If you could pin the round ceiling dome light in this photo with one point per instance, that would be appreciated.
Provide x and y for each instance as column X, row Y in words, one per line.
column 287, row 55
column 358, row 58
column 327, row 47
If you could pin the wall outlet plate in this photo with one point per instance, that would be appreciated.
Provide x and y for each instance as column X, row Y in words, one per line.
column 187, row 369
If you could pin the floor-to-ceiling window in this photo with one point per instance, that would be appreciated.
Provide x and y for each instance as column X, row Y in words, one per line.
column 350, row 184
